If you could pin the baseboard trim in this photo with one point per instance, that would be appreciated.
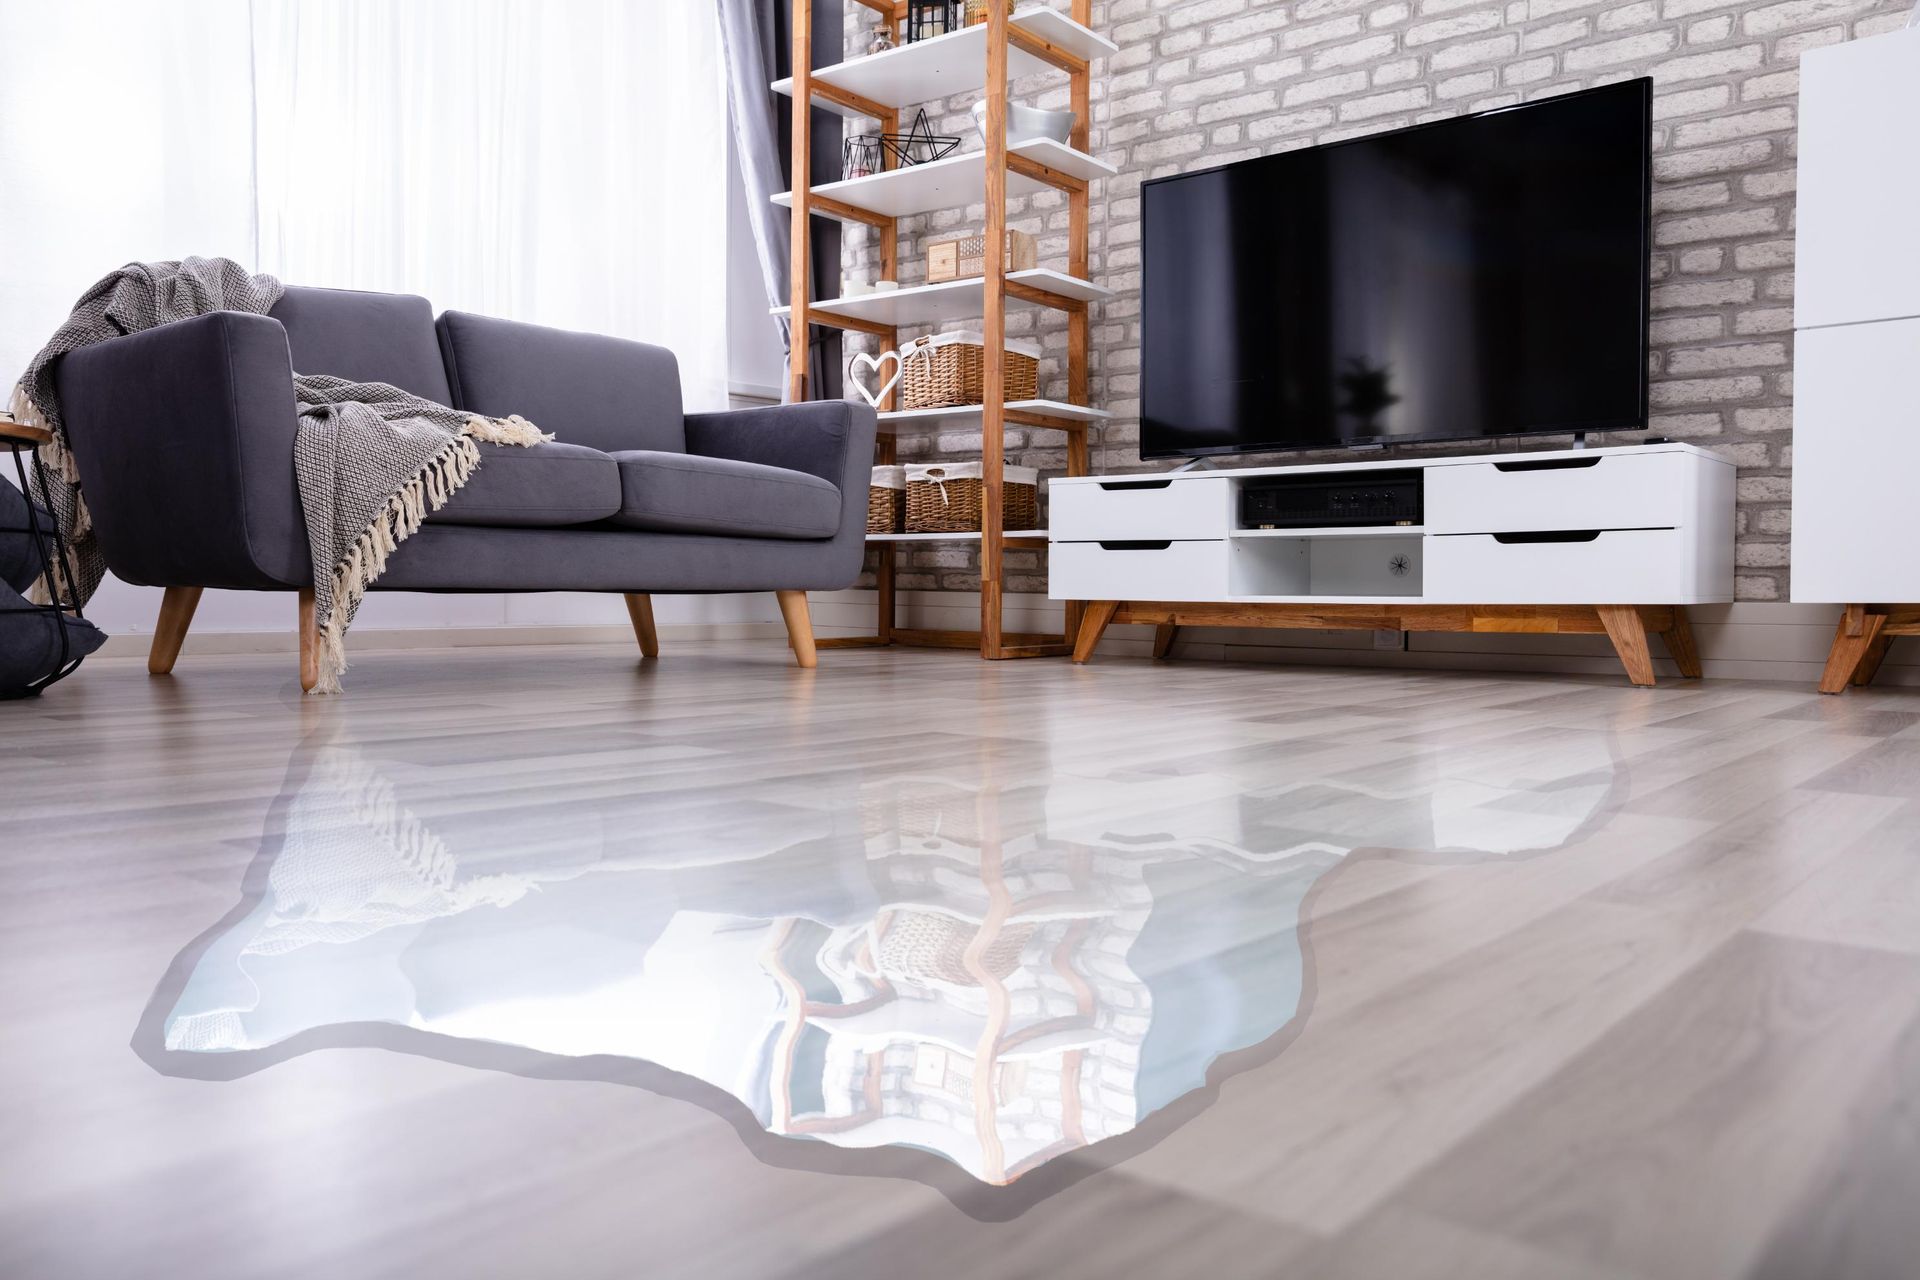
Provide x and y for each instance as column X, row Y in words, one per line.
column 387, row 639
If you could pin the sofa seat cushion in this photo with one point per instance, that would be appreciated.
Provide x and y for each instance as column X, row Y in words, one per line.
column 544, row 487
column 690, row 493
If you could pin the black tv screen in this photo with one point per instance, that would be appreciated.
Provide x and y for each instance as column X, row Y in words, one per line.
column 1483, row 276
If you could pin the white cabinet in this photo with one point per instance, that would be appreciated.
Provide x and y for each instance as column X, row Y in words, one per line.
column 1859, row 189
column 1856, row 408
column 1856, row 464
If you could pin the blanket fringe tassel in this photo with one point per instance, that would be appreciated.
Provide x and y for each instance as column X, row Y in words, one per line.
column 443, row 476
column 512, row 429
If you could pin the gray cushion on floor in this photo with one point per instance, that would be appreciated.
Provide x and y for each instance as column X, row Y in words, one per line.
column 686, row 493
column 30, row 642
column 549, row 485
column 20, row 564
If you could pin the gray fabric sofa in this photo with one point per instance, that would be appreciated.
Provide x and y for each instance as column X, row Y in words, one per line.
column 184, row 436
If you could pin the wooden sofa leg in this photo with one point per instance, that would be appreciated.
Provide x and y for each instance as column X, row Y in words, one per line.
column 640, row 609
column 176, row 615
column 793, row 608
column 309, row 643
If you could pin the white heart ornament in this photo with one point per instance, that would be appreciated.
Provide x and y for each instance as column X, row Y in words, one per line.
column 862, row 360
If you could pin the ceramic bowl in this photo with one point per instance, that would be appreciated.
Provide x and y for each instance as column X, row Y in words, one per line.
column 1024, row 124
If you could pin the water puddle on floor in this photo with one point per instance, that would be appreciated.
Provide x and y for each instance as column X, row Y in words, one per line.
column 999, row 965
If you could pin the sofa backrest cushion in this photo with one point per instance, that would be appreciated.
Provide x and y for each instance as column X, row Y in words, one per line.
column 605, row 393
column 368, row 337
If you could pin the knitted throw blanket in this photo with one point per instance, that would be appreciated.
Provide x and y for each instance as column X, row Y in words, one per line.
column 370, row 460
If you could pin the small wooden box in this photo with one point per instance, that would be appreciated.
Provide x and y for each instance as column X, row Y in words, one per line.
column 966, row 258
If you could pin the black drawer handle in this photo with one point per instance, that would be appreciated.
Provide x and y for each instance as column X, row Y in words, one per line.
column 1549, row 464
column 1568, row 535
column 1135, row 484
column 1138, row 545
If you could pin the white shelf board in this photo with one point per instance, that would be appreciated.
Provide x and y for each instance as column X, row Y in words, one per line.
column 900, row 421
column 951, row 299
column 1337, row 531
column 950, row 537
column 951, row 64
column 951, row 182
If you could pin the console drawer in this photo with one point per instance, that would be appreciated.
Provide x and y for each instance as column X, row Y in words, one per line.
column 1151, row 570
column 1649, row 491
column 1140, row 507
column 1618, row 566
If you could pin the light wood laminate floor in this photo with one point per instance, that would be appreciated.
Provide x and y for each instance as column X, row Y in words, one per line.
column 1574, row 979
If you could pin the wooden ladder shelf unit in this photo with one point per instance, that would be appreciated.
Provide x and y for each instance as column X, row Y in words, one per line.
column 1001, row 37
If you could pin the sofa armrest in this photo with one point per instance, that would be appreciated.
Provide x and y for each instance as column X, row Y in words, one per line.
column 832, row 439
column 184, row 437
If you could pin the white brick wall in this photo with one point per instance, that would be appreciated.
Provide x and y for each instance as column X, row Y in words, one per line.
column 1202, row 82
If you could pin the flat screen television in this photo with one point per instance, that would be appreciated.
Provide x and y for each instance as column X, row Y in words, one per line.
column 1479, row 277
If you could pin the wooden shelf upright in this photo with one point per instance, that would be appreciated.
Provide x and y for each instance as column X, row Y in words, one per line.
column 876, row 87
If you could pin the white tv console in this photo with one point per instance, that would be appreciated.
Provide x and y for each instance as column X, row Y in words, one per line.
column 1616, row 541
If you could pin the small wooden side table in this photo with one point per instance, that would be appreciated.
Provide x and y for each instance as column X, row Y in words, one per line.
column 21, row 439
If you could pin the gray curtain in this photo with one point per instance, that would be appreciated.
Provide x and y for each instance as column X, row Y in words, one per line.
column 756, row 43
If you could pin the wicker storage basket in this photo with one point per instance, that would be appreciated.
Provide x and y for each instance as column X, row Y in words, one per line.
column 946, row 498
column 944, row 369
column 921, row 811
column 921, row 946
column 887, row 500
column 977, row 11
column 965, row 257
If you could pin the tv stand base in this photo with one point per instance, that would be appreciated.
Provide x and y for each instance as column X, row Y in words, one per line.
column 1626, row 625
column 1861, row 642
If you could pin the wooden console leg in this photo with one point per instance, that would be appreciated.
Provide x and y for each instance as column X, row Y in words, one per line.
column 1628, row 631
column 1680, row 646
column 1093, row 623
column 640, row 609
column 176, row 615
column 1853, row 640
column 1870, row 660
column 1163, row 638
column 793, row 608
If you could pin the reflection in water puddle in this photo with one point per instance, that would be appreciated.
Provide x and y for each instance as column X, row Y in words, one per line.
column 999, row 975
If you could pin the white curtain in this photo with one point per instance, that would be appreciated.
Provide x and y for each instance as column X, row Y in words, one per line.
column 124, row 136
column 559, row 162
column 555, row 161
